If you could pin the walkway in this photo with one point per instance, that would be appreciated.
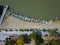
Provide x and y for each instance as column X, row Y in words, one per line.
column 14, row 23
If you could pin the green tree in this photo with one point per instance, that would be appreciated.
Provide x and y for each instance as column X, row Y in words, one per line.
column 44, row 30
column 51, row 33
column 33, row 35
column 37, row 42
column 54, row 42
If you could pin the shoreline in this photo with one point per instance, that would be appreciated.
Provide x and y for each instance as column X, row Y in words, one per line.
column 14, row 23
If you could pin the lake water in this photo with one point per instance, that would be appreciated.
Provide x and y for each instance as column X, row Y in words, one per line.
column 48, row 9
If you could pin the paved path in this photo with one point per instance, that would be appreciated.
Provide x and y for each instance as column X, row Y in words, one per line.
column 12, row 22
column 2, row 43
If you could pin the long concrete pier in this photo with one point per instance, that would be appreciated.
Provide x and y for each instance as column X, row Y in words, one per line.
column 4, row 12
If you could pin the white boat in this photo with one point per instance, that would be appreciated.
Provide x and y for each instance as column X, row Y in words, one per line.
column 27, row 19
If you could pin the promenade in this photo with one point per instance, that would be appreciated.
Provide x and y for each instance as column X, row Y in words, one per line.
column 14, row 23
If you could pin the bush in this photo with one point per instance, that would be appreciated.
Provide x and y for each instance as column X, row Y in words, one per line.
column 6, row 30
column 44, row 30
column 51, row 33
column 37, row 42
column 53, row 42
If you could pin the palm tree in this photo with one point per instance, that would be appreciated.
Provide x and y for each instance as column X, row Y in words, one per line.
column 6, row 30
column 11, row 30
column 44, row 30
